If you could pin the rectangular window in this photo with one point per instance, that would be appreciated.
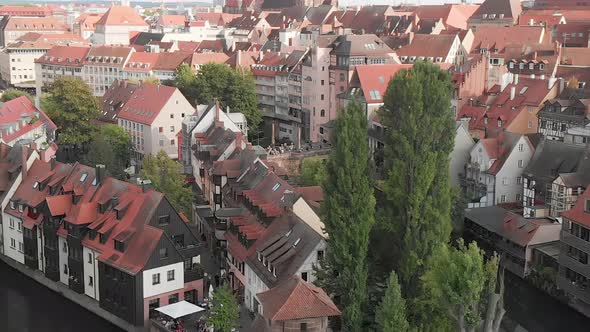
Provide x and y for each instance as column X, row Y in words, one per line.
column 172, row 142
column 304, row 276
column 171, row 129
column 170, row 275
column 90, row 281
column 89, row 258
column 520, row 163
column 518, row 197
column 161, row 142
column 164, row 220
column 303, row 327
column 587, row 206
column 13, row 243
column 155, row 278
column 503, row 199
column 320, row 255
column 519, row 180
column 530, row 124
column 65, row 268
column 161, row 129
column 11, row 223
column 163, row 253
column 173, row 298
column 521, row 147
column 65, row 247
column 171, row 116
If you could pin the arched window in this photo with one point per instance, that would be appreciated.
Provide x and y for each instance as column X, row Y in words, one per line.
column 323, row 113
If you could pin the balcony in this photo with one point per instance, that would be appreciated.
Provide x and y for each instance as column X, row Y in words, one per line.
column 575, row 241
column 195, row 273
column 579, row 291
column 574, row 264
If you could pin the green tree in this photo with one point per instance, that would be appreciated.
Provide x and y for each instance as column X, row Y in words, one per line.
column 224, row 312
column 417, row 111
column 11, row 94
column 313, row 171
column 111, row 146
column 391, row 313
column 348, row 214
column 461, row 286
column 166, row 177
column 233, row 88
column 185, row 81
column 458, row 206
column 71, row 105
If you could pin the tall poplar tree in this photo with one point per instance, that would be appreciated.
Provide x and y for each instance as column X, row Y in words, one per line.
column 348, row 214
column 417, row 112
column 391, row 313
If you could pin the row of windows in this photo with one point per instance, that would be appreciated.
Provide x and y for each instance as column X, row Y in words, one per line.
column 156, row 277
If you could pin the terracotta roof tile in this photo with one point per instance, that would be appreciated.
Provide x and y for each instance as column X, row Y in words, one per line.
column 146, row 101
column 121, row 15
column 34, row 24
column 296, row 299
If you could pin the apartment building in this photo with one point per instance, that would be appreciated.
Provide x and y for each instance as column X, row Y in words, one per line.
column 103, row 65
column 12, row 28
column 573, row 275
column 559, row 115
column 120, row 244
column 17, row 60
column 85, row 25
column 59, row 61
column 554, row 179
column 493, row 174
column 22, row 122
column 152, row 114
column 514, row 238
column 501, row 13
column 114, row 26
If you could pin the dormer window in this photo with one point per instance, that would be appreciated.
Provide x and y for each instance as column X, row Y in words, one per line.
column 541, row 66
column 119, row 246
column 21, row 208
column 521, row 65
column 36, row 185
column 511, row 65
column 499, row 122
column 83, row 177
column 531, row 66
column 12, row 205
column 102, row 238
column 587, row 206
column 259, row 256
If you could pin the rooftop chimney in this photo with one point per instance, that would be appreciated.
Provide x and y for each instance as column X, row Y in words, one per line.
column 238, row 58
column 146, row 185
column 99, row 173
column 512, row 92
column 53, row 162
column 515, row 79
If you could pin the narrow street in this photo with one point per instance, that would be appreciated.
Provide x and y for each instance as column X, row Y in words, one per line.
column 537, row 311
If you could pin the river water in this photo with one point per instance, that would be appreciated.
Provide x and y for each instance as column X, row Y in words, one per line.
column 26, row 306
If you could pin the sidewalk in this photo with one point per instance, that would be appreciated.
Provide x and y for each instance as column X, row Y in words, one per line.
column 245, row 320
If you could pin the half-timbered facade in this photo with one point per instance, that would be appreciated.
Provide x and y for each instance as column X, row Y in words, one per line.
column 559, row 115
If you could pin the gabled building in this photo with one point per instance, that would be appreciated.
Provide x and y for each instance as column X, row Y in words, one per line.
column 103, row 65
column 433, row 48
column 115, row 25
column 516, row 239
column 152, row 114
column 533, row 60
column 59, row 61
column 85, row 25
column 22, row 122
column 17, row 60
column 495, row 13
column 12, row 28
column 295, row 305
column 120, row 244
column 512, row 106
column 556, row 175
column 573, row 277
column 559, row 115
column 493, row 173
column 452, row 15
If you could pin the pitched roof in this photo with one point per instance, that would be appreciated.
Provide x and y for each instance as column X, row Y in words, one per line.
column 296, row 299
column 146, row 101
column 428, row 46
column 510, row 9
column 496, row 37
column 65, row 55
column 374, row 79
column 35, row 40
column 17, row 118
column 171, row 61
column 453, row 15
column 33, row 24
column 171, row 20
column 121, row 15
column 513, row 227
column 578, row 213
column 367, row 44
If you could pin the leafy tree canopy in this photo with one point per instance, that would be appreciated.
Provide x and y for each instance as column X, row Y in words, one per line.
column 166, row 177
column 391, row 313
column 111, row 146
column 72, row 107
column 313, row 171
column 11, row 94
column 224, row 312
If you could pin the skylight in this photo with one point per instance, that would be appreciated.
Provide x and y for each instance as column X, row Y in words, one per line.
column 523, row 90
column 83, row 177
column 35, row 185
column 296, row 242
column 276, row 186
column 381, row 79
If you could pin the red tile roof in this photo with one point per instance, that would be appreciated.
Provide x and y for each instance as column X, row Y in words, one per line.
column 511, row 9
column 204, row 58
column 578, row 213
column 428, row 46
column 146, row 102
column 376, row 78
column 211, row 46
column 65, row 55
column 575, row 56
column 171, row 61
column 577, row 15
column 35, row 40
column 188, row 46
column 35, row 24
column 19, row 114
column 311, row 193
column 296, row 299
column 141, row 61
column 26, row 10
column 452, row 15
column 496, row 38
column 171, row 20
column 121, row 15
column 59, row 205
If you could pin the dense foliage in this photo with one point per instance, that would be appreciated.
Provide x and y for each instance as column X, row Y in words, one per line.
column 224, row 311
column 71, row 105
column 313, row 171
column 348, row 214
column 233, row 88
column 11, row 94
column 111, row 146
column 166, row 177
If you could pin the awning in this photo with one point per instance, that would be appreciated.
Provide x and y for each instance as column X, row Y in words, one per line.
column 179, row 309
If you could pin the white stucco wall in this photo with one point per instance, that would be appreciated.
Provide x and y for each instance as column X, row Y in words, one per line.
column 510, row 172
column 311, row 260
column 89, row 257
column 460, row 155
column 164, row 286
column 13, row 231
column 254, row 285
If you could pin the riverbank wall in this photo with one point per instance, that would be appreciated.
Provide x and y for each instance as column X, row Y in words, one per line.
column 80, row 299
